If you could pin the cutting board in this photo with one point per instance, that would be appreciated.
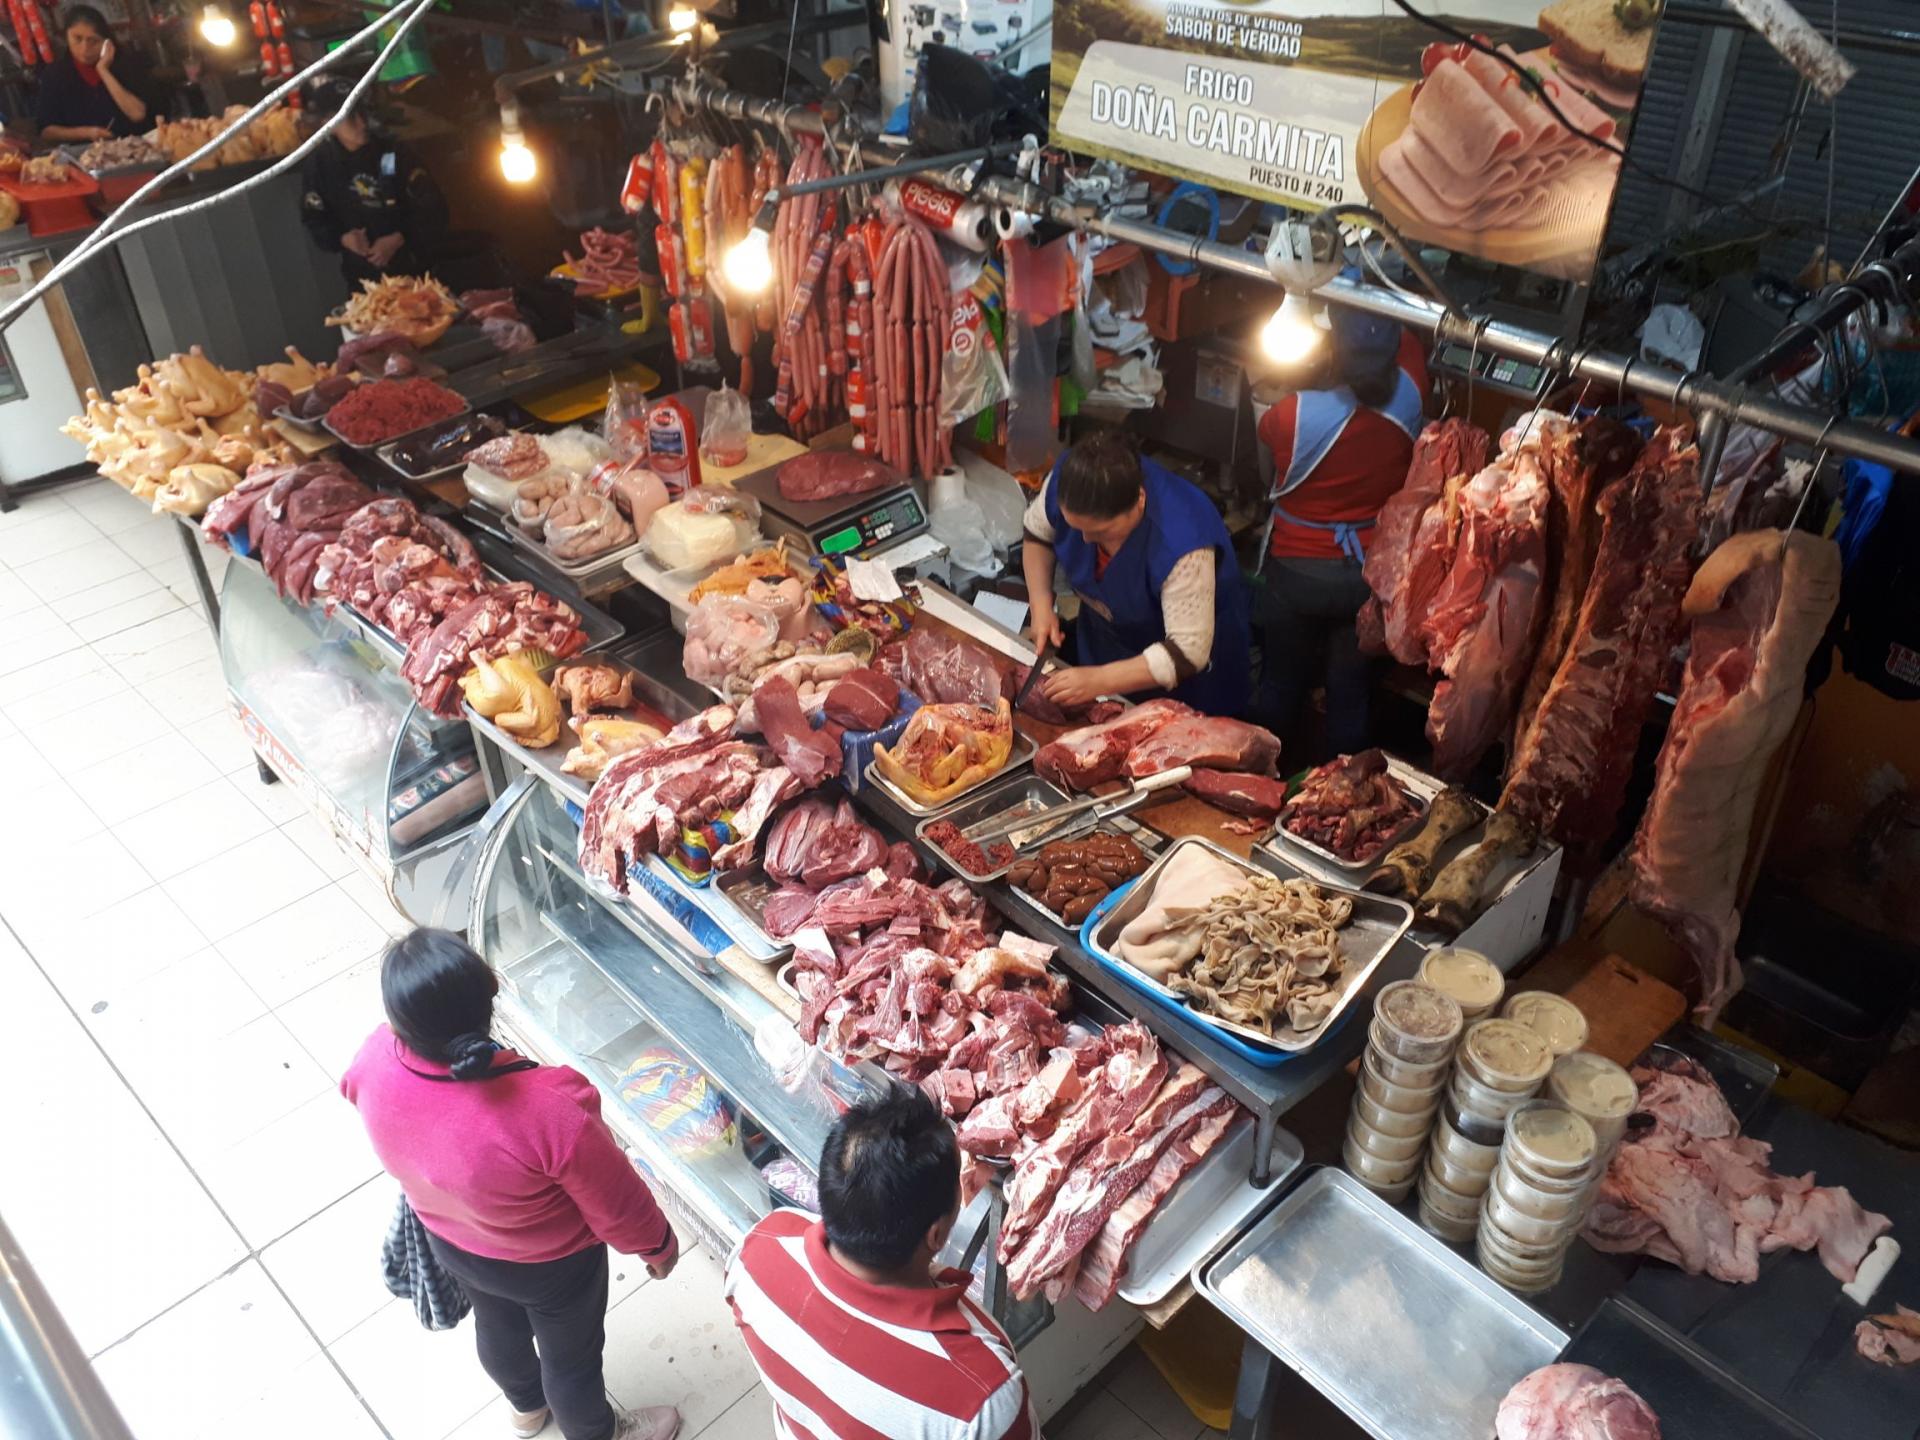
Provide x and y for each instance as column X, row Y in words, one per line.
column 1626, row 1008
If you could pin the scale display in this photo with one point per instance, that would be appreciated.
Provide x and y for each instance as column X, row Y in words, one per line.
column 898, row 516
column 1501, row 372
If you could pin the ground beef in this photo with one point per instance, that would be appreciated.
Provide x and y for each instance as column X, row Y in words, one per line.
column 383, row 409
column 971, row 857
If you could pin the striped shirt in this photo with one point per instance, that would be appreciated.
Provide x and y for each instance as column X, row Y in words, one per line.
column 847, row 1360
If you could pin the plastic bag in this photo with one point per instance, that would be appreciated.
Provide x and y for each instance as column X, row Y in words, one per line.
column 703, row 527
column 624, row 426
column 961, row 525
column 633, row 487
column 535, row 497
column 575, row 449
column 725, row 429
column 789, row 600
column 722, row 631
column 582, row 524
column 972, row 377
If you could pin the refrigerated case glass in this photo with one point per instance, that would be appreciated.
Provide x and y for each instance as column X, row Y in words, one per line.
column 598, row 987
column 326, row 709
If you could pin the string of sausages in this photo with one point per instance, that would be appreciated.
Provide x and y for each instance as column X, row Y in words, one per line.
column 912, row 315
column 851, row 359
column 803, row 239
column 730, row 207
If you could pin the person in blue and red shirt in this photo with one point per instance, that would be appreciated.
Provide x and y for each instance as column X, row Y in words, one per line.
column 1338, row 453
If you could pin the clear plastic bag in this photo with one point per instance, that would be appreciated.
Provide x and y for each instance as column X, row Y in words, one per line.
column 575, row 448
column 703, row 527
column 721, row 632
column 972, row 377
column 624, row 426
column 725, row 429
column 634, row 488
column 535, row 497
column 583, row 524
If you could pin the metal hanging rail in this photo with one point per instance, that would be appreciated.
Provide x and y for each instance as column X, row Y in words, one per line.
column 1722, row 400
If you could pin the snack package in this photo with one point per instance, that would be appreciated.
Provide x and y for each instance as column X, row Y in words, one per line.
column 726, row 429
column 722, row 631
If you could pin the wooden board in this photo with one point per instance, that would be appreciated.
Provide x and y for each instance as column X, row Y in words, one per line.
column 1626, row 1008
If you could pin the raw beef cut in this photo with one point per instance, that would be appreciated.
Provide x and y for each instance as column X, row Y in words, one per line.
column 1209, row 740
column 1758, row 609
column 941, row 668
column 1049, row 712
column 1581, row 461
column 1570, row 781
column 811, row 756
column 863, row 699
column 1253, row 795
column 1574, row 1402
column 1084, row 758
column 818, row 844
column 1412, row 541
column 829, row 474
column 1692, row 1190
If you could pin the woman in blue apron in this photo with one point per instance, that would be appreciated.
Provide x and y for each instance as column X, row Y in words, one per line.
column 1162, row 605
column 1338, row 454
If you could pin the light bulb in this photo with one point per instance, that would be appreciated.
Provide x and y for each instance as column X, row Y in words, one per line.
column 517, row 161
column 1290, row 336
column 682, row 18
column 749, row 265
column 217, row 27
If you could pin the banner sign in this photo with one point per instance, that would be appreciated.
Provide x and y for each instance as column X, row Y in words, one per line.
column 1323, row 102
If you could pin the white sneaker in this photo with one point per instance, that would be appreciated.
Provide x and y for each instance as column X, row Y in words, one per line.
column 656, row 1422
column 529, row 1423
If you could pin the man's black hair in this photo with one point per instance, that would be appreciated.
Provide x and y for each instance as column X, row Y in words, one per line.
column 85, row 15
column 1101, row 477
column 889, row 1172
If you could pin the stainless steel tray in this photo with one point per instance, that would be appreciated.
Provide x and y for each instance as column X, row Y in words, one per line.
column 1376, row 927
column 575, row 570
column 1209, row 1206
column 1151, row 843
column 1022, row 752
column 1022, row 795
column 1395, row 1327
column 1420, row 787
column 326, row 424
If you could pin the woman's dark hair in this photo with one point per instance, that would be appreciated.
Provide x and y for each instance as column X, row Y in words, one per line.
column 1100, row 478
column 438, row 995
column 1371, row 386
column 889, row 1172
column 85, row 15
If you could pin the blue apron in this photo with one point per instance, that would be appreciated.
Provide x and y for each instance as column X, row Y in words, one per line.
column 1320, row 419
column 1120, row 614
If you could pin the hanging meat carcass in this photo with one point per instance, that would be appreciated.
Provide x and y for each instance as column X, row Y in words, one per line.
column 1570, row 777
column 1412, row 541
column 1758, row 608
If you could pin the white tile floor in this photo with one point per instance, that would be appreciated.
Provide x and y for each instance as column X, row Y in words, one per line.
column 188, row 965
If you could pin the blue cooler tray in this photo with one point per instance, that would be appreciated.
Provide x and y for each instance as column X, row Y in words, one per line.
column 1265, row 1057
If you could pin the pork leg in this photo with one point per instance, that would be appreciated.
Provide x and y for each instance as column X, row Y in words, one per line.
column 1407, row 869
column 1459, row 893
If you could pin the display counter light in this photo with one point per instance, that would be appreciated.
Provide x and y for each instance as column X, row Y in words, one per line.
column 517, row 160
column 217, row 27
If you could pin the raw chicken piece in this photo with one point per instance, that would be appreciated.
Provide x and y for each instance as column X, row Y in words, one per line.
column 1889, row 1339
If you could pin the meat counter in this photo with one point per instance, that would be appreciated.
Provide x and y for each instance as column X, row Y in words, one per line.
column 322, row 702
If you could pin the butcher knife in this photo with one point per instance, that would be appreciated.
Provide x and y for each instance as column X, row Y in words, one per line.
column 1104, row 807
column 1033, row 673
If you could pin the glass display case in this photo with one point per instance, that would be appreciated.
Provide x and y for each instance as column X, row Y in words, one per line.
column 326, row 711
column 668, row 1036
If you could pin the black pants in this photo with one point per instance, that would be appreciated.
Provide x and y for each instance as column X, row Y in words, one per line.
column 558, row 1305
column 1304, row 612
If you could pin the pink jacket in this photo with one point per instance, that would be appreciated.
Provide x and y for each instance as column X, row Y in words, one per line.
column 520, row 1167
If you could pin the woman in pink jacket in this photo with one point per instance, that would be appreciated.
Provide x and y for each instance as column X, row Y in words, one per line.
column 518, row 1181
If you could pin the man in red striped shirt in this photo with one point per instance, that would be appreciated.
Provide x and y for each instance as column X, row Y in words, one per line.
column 855, row 1335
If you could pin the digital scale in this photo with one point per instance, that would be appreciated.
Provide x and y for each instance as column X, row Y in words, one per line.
column 1496, row 372
column 1523, row 300
column 844, row 525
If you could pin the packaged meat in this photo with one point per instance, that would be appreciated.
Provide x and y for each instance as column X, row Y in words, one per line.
column 497, row 468
column 440, row 446
column 624, row 425
column 703, row 527
column 581, row 525
column 722, row 631
column 533, row 499
column 787, row 598
column 635, row 489
column 673, row 445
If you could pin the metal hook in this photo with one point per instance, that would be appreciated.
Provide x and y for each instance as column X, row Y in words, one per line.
column 1813, row 475
column 1473, row 361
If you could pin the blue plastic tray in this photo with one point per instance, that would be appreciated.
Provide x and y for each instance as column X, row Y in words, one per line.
column 857, row 745
column 1253, row 1053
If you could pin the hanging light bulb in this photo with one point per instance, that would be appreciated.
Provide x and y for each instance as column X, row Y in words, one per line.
column 749, row 265
column 1290, row 336
column 217, row 27
column 517, row 160
column 682, row 18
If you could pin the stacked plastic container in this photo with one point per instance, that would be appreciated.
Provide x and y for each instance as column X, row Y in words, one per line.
column 1555, row 1018
column 1535, row 1204
column 1600, row 1092
column 1474, row 981
column 1500, row 1066
column 1410, row 1047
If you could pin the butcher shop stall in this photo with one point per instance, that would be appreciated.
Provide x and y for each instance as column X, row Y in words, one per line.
column 1511, row 1034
